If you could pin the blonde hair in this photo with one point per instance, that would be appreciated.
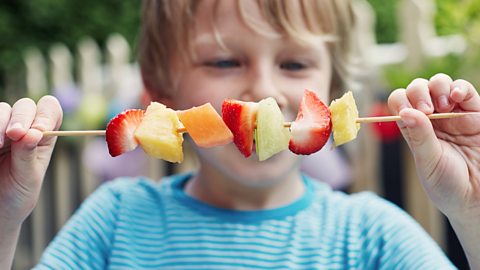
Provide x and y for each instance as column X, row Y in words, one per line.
column 166, row 31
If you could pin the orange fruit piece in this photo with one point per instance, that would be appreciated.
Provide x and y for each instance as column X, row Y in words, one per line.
column 205, row 126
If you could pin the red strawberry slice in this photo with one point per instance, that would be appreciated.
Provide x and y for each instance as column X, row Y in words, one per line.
column 311, row 130
column 240, row 117
column 120, row 130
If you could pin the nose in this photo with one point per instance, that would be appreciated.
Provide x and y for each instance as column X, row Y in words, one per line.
column 261, row 82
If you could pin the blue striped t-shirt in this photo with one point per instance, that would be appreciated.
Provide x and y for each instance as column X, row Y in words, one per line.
column 140, row 224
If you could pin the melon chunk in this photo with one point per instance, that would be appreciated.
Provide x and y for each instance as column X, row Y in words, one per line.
column 157, row 133
column 205, row 126
column 271, row 135
column 344, row 119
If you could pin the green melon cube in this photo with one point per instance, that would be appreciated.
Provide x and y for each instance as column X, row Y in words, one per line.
column 271, row 135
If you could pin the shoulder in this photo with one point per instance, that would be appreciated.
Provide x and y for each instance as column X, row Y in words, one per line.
column 385, row 233
column 144, row 192
column 365, row 205
column 368, row 211
column 391, row 232
column 140, row 188
column 120, row 196
column 115, row 209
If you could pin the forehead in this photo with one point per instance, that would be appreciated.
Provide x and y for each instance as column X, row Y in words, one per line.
column 215, row 15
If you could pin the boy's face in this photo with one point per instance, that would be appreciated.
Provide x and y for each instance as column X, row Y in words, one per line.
column 251, row 67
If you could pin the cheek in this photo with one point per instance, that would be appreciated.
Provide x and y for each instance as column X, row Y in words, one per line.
column 323, row 87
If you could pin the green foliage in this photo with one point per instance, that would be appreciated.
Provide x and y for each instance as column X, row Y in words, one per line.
column 447, row 19
column 452, row 17
column 399, row 76
column 386, row 27
column 40, row 23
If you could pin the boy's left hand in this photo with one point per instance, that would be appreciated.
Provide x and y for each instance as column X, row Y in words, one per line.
column 446, row 151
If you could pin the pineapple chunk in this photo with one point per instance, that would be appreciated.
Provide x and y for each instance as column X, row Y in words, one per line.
column 157, row 133
column 344, row 115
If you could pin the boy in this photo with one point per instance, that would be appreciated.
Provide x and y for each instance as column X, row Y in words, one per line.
column 236, row 212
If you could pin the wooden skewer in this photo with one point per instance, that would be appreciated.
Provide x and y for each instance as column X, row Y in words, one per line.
column 396, row 117
column 286, row 124
column 74, row 133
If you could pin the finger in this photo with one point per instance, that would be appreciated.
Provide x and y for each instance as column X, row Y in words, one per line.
column 22, row 115
column 398, row 100
column 48, row 116
column 5, row 112
column 419, row 96
column 463, row 93
column 420, row 136
column 24, row 154
column 439, row 86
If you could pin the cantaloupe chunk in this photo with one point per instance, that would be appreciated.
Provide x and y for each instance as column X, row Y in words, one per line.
column 157, row 133
column 344, row 114
column 205, row 126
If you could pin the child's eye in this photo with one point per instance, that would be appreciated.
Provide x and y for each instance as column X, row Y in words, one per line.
column 292, row 66
column 228, row 63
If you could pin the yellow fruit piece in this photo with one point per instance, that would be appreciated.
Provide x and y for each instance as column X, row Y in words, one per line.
column 344, row 116
column 157, row 133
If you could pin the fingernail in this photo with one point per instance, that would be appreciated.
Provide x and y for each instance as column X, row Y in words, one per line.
column 15, row 126
column 443, row 102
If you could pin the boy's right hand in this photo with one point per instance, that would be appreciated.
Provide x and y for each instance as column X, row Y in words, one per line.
column 24, row 154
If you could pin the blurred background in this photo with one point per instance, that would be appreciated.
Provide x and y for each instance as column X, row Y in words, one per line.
column 83, row 52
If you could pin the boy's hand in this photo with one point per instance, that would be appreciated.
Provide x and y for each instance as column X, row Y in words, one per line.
column 446, row 151
column 24, row 154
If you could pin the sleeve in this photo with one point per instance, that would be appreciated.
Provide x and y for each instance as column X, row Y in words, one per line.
column 85, row 240
column 394, row 240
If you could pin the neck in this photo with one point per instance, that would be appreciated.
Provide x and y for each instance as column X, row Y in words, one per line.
column 215, row 188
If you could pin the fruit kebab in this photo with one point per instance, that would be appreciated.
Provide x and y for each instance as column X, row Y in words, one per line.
column 159, row 130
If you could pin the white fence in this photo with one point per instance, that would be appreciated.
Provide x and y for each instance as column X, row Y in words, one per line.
column 108, row 81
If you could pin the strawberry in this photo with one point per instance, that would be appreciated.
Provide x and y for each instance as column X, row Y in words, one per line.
column 311, row 130
column 120, row 131
column 240, row 117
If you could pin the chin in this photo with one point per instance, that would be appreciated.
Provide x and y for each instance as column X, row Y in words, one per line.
column 229, row 163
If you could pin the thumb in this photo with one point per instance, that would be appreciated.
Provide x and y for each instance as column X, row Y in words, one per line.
column 24, row 155
column 418, row 131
